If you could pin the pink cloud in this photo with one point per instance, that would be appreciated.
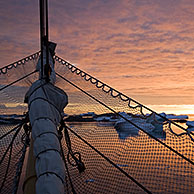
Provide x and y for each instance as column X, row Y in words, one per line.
column 127, row 44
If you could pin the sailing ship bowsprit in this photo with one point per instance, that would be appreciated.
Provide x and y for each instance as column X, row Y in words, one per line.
column 45, row 106
column 46, row 103
column 116, row 149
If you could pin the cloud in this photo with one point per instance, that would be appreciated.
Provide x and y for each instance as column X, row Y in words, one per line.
column 146, row 44
column 2, row 106
column 19, row 30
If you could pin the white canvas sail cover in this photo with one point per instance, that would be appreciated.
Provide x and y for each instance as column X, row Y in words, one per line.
column 46, row 103
column 52, row 76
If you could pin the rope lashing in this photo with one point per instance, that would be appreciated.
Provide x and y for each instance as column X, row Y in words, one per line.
column 140, row 128
column 25, row 139
column 78, row 161
column 107, row 89
column 110, row 161
column 60, row 136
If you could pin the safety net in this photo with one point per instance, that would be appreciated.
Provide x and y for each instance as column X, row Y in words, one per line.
column 125, row 146
column 15, row 80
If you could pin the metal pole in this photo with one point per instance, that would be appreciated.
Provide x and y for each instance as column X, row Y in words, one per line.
column 47, row 43
column 41, row 34
column 44, row 40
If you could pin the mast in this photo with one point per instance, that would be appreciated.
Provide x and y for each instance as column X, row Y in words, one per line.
column 41, row 34
column 44, row 39
column 45, row 104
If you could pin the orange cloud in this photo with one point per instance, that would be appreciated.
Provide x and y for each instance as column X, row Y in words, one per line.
column 143, row 48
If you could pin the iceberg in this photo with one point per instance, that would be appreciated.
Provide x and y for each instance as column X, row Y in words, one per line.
column 190, row 124
column 153, row 125
column 177, row 117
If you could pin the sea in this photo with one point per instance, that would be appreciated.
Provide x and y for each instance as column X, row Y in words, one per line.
column 122, row 160
column 144, row 159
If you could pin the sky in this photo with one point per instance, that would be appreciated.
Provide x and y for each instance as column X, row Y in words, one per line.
column 143, row 48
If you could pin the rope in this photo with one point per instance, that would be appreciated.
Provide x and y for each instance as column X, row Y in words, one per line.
column 7, row 169
column 4, row 69
column 16, row 133
column 45, row 118
column 9, row 160
column 10, row 147
column 50, row 172
column 41, row 98
column 46, row 151
column 78, row 162
column 110, row 161
column 182, row 156
column 11, row 131
column 19, row 168
column 66, row 166
column 114, row 93
column 51, row 105
column 18, row 80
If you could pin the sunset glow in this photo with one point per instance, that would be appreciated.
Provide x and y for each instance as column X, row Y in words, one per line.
column 175, row 109
column 143, row 48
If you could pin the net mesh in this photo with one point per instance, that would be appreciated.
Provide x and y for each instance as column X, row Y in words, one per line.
column 152, row 164
column 12, row 148
column 141, row 146
column 12, row 110
column 12, row 97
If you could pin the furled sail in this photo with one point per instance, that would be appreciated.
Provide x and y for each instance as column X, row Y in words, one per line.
column 46, row 103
